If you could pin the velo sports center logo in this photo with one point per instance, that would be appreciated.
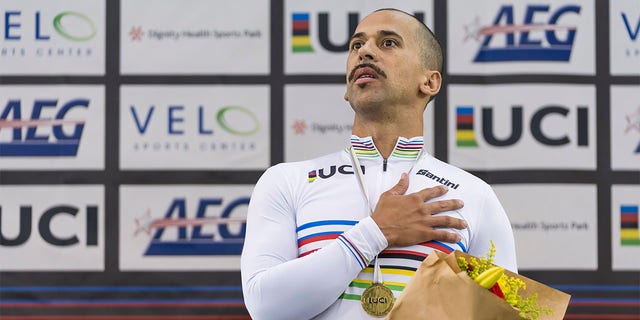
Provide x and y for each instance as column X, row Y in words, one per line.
column 44, row 38
column 224, row 127
column 47, row 27
column 624, row 20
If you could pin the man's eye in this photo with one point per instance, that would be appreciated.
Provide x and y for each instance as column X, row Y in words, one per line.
column 356, row 45
column 389, row 43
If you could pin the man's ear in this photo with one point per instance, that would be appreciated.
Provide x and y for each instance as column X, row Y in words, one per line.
column 346, row 97
column 431, row 84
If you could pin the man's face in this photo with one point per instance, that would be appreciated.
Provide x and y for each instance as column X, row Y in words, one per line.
column 384, row 67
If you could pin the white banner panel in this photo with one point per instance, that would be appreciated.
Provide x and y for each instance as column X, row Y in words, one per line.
column 194, row 127
column 522, row 126
column 624, row 36
column 45, row 127
column 625, row 127
column 52, row 228
column 554, row 225
column 194, row 37
column 52, row 37
column 186, row 227
column 318, row 121
column 317, row 34
column 625, row 235
column 497, row 37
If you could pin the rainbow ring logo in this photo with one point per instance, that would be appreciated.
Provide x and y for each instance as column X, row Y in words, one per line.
column 57, row 24
column 221, row 116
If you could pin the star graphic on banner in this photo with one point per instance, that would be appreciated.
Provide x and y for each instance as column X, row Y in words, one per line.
column 143, row 223
column 633, row 121
column 472, row 30
column 299, row 127
column 136, row 33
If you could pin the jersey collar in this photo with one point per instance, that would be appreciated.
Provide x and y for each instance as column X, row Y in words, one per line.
column 405, row 148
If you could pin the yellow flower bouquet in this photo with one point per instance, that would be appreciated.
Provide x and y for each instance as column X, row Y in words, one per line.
column 460, row 286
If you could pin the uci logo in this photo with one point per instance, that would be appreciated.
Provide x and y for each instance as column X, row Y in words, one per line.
column 322, row 174
column 466, row 121
column 301, row 30
column 46, row 226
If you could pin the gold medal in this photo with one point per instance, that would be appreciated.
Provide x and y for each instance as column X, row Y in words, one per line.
column 377, row 300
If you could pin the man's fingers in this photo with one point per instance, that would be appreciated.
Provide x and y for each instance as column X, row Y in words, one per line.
column 430, row 193
column 401, row 187
column 445, row 236
column 447, row 222
column 442, row 206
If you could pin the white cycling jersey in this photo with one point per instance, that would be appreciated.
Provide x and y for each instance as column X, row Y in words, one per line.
column 310, row 243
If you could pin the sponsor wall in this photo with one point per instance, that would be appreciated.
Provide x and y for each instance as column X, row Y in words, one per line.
column 132, row 132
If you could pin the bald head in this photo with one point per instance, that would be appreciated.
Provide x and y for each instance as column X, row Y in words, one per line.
column 430, row 48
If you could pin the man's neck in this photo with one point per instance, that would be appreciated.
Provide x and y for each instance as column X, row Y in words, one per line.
column 386, row 137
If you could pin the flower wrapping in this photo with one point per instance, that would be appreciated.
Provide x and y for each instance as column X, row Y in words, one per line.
column 440, row 290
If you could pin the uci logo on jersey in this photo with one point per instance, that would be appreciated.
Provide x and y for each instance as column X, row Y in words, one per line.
column 324, row 173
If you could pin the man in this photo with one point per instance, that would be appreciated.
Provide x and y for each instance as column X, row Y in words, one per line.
column 315, row 228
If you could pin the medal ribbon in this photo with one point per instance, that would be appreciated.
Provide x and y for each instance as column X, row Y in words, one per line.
column 377, row 273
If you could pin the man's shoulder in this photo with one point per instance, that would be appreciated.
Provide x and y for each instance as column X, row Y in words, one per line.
column 436, row 167
column 319, row 160
column 309, row 164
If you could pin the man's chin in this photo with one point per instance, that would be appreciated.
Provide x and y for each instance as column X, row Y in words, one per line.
column 366, row 99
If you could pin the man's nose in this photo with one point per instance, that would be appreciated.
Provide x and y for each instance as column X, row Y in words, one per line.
column 366, row 52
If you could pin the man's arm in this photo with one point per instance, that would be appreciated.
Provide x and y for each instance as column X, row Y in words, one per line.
column 493, row 225
column 279, row 285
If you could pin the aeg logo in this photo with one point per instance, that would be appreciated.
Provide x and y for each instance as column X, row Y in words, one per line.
column 49, row 132
column 187, row 236
column 633, row 124
column 541, row 36
column 50, row 234
column 466, row 121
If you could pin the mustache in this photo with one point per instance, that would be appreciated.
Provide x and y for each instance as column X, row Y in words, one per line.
column 364, row 65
